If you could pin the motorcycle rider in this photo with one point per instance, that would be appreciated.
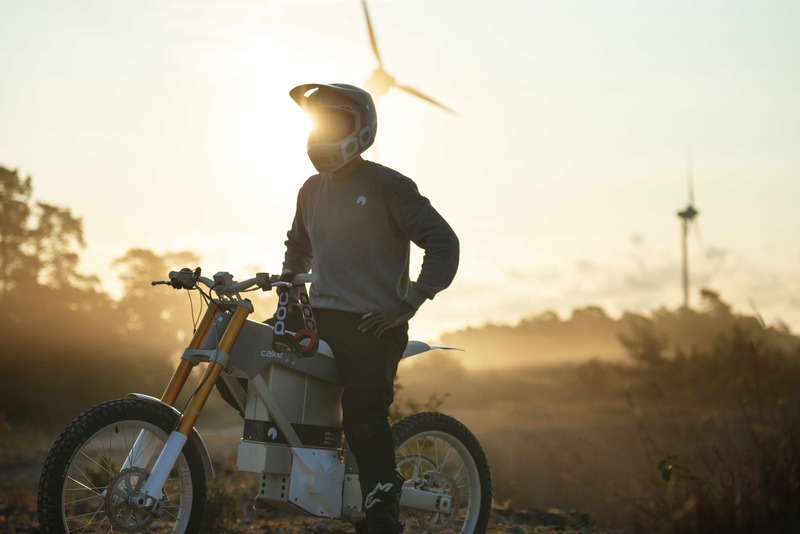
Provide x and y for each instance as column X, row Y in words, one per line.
column 353, row 226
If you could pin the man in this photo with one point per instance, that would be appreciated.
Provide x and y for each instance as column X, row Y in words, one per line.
column 353, row 227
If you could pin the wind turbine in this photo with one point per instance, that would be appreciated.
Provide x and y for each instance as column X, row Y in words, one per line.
column 687, row 216
column 380, row 82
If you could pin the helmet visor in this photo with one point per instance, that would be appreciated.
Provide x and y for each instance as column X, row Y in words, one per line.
column 330, row 125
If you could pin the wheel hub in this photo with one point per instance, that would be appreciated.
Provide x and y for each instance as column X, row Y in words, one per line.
column 439, row 483
column 125, row 504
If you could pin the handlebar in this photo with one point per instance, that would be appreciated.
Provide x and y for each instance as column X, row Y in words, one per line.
column 263, row 281
column 224, row 284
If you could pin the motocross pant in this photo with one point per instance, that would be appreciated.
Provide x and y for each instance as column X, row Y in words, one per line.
column 367, row 367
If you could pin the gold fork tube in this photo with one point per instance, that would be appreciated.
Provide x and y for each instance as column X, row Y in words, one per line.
column 177, row 381
column 185, row 367
column 207, row 385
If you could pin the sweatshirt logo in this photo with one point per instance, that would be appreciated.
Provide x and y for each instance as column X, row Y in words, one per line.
column 361, row 201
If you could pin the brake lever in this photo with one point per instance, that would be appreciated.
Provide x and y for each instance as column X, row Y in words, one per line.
column 264, row 281
column 183, row 279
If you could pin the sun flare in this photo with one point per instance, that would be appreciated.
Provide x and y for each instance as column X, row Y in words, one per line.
column 266, row 139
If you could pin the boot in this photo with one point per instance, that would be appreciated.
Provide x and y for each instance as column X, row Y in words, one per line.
column 381, row 498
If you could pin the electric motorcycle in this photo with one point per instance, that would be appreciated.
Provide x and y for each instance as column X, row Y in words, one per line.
column 138, row 464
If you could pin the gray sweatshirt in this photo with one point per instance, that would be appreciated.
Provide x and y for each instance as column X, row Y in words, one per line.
column 354, row 234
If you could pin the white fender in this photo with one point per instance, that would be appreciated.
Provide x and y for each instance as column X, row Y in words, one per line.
column 418, row 347
column 194, row 436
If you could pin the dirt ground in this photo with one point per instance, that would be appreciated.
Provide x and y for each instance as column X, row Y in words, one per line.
column 18, row 516
column 20, row 466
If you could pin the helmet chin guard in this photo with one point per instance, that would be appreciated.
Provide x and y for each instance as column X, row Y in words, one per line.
column 327, row 157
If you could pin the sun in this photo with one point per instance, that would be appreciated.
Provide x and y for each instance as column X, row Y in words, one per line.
column 266, row 138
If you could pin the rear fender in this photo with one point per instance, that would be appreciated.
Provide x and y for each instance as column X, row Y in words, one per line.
column 194, row 436
column 418, row 347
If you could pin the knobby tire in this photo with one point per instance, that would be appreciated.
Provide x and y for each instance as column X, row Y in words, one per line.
column 438, row 443
column 77, row 442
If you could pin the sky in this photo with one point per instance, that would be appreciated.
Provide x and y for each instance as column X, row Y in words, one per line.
column 166, row 124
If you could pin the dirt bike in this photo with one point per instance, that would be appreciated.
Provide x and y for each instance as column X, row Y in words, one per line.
column 137, row 464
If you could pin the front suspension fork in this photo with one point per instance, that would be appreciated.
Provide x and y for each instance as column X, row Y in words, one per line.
column 177, row 439
column 144, row 446
column 185, row 367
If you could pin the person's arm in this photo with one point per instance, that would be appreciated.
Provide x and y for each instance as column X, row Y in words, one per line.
column 427, row 229
column 297, row 258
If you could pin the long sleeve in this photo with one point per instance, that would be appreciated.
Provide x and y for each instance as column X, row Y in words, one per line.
column 298, row 254
column 356, row 234
column 427, row 229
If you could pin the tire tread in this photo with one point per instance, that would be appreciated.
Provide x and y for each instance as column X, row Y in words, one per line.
column 73, row 437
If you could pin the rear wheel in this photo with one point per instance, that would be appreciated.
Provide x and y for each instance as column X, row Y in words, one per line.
column 435, row 452
column 102, row 459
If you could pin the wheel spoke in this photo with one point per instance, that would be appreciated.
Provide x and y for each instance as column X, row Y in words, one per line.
column 91, row 522
column 81, row 484
column 98, row 464
column 92, row 493
column 450, row 453
column 436, row 453
column 79, row 501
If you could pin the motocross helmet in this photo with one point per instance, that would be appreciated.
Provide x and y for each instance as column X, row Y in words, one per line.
column 346, row 122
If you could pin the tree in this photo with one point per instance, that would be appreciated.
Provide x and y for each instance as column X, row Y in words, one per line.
column 57, row 236
column 157, row 311
column 15, row 210
column 39, row 242
column 713, row 304
column 644, row 344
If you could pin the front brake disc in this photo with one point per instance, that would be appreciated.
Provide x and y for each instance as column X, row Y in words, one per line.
column 124, row 503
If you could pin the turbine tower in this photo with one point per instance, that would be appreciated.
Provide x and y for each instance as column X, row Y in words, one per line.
column 687, row 216
column 380, row 82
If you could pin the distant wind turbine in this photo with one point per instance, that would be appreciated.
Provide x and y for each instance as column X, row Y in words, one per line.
column 380, row 82
column 687, row 216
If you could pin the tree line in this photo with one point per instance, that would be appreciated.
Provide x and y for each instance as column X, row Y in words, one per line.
column 662, row 335
column 66, row 342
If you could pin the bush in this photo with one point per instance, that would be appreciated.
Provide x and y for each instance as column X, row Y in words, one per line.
column 222, row 507
column 743, row 477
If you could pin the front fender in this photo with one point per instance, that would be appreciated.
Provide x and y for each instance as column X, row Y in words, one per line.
column 194, row 436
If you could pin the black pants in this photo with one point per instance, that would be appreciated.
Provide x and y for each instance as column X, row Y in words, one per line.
column 367, row 368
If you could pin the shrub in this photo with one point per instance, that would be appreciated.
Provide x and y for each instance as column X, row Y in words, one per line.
column 743, row 477
column 222, row 507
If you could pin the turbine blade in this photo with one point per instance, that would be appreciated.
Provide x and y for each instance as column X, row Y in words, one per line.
column 696, row 228
column 372, row 39
column 414, row 92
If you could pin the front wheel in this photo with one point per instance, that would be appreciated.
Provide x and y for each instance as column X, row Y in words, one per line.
column 103, row 458
column 436, row 453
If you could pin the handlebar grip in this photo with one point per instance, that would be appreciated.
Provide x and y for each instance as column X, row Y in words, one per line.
column 303, row 278
column 183, row 279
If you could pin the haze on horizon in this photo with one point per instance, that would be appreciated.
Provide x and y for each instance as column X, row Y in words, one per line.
column 167, row 125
